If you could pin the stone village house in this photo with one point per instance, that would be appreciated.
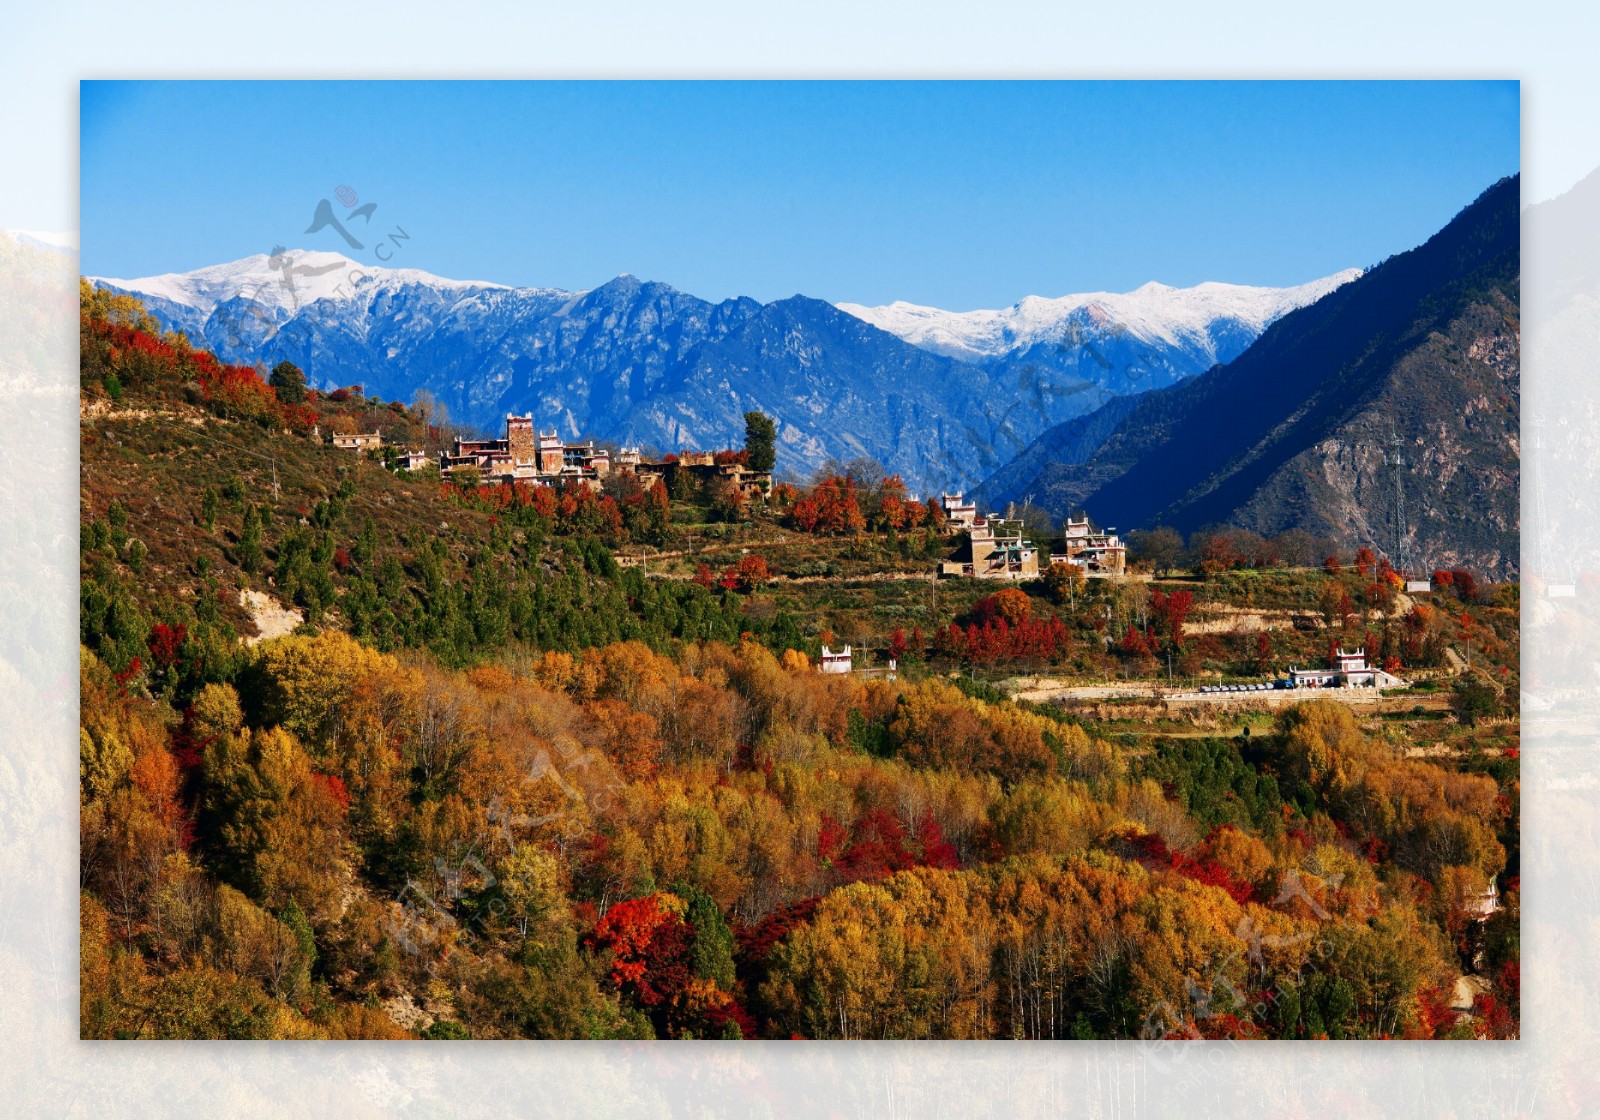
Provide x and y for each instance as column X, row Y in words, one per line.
column 525, row 453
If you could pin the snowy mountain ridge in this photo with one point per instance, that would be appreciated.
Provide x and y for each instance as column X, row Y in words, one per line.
column 1153, row 313
column 641, row 362
column 285, row 281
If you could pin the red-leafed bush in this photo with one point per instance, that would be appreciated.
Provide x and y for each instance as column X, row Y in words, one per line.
column 1168, row 613
column 1011, row 606
column 165, row 643
column 757, row 941
column 1152, row 851
column 1135, row 642
column 333, row 787
column 1035, row 640
column 648, row 949
column 878, row 844
column 1434, row 1016
column 128, row 675
column 752, row 573
column 831, row 508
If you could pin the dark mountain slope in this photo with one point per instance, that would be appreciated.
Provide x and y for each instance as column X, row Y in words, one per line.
column 1292, row 433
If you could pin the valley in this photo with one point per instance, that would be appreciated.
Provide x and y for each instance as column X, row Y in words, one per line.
column 610, row 746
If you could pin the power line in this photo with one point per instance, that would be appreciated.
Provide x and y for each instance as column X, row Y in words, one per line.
column 1397, row 460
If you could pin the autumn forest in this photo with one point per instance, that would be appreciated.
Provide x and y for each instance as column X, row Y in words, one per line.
column 365, row 755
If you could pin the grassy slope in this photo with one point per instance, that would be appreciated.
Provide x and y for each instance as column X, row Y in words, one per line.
column 157, row 462
column 156, row 459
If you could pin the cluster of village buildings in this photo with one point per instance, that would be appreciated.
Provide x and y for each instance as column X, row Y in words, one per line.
column 999, row 548
column 993, row 547
column 527, row 454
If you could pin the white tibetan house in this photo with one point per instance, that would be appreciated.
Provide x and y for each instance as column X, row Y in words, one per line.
column 1349, row 670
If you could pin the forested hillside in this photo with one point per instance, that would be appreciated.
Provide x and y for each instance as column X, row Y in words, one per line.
column 494, row 784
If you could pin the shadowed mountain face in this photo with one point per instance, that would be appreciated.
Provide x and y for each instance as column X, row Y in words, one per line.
column 642, row 363
column 1295, row 432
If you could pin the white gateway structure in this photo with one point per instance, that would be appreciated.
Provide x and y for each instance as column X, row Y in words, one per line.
column 1349, row 670
column 835, row 660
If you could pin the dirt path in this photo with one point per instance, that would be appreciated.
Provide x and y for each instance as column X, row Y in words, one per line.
column 1223, row 618
column 864, row 577
column 101, row 410
column 868, row 577
column 1273, row 697
column 701, row 550
column 1043, row 691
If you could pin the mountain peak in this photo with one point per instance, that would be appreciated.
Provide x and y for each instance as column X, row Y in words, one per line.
column 627, row 284
column 640, row 359
column 286, row 279
column 1154, row 312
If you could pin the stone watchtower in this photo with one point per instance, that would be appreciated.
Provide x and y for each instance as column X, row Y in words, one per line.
column 519, row 438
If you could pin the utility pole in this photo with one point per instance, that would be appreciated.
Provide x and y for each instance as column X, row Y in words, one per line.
column 274, row 478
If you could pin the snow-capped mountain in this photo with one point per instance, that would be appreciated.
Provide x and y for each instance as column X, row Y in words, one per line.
column 640, row 362
column 289, row 280
column 1138, row 340
column 1155, row 313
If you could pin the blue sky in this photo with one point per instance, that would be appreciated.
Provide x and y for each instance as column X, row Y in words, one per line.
column 959, row 195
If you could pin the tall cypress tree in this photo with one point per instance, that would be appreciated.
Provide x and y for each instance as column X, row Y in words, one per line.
column 289, row 382
column 761, row 440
